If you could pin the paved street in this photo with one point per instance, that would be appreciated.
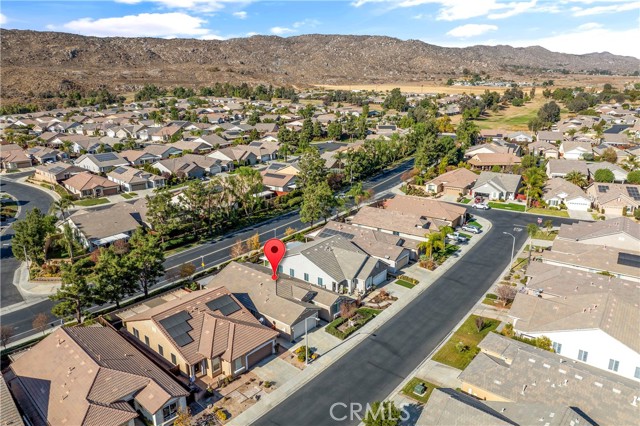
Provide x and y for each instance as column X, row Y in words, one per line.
column 28, row 198
column 213, row 252
column 374, row 368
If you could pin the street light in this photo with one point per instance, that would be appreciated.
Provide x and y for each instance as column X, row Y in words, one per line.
column 306, row 338
column 513, row 247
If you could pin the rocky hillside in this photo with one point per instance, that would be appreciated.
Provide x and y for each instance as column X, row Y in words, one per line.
column 35, row 62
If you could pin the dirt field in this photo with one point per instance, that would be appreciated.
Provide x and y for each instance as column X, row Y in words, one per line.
column 415, row 88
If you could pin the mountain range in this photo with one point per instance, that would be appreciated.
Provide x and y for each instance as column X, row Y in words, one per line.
column 33, row 63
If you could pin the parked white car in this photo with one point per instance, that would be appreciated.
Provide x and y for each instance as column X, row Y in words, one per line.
column 471, row 228
column 456, row 236
column 481, row 206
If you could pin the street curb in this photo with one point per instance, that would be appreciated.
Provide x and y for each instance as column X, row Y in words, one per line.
column 282, row 393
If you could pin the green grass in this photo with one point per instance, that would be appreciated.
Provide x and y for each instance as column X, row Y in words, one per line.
column 543, row 235
column 490, row 299
column 465, row 200
column 549, row 212
column 129, row 195
column 404, row 283
column 407, row 390
column 468, row 235
column 91, row 202
column 507, row 206
column 467, row 334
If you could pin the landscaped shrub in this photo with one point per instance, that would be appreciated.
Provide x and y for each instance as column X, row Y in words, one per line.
column 366, row 315
column 408, row 279
column 221, row 414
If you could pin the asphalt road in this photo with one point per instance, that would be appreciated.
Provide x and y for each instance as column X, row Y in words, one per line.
column 212, row 253
column 28, row 198
column 375, row 367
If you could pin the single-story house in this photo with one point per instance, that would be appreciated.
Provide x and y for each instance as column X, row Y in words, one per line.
column 13, row 157
column 544, row 149
column 615, row 198
column 43, row 154
column 455, row 182
column 280, row 183
column 131, row 179
column 558, row 192
column 561, row 168
column 547, row 136
column 496, row 186
column 520, row 137
column 334, row 263
column 180, row 167
column 620, row 232
column 138, row 158
column 575, row 150
column 101, row 163
column 86, row 184
column 489, row 161
column 162, row 151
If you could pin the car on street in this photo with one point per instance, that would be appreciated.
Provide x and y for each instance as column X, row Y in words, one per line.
column 471, row 228
column 481, row 206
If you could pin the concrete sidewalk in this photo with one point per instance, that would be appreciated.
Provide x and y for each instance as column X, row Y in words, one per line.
column 429, row 277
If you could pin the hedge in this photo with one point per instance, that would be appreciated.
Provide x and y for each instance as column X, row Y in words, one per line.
column 367, row 315
column 408, row 279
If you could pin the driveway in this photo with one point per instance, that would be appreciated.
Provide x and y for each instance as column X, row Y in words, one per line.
column 580, row 215
column 275, row 369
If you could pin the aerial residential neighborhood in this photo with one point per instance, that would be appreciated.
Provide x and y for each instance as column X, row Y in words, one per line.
column 211, row 217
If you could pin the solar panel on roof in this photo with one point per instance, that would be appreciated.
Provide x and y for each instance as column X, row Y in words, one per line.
column 633, row 192
column 106, row 156
column 178, row 327
column 603, row 188
column 225, row 304
column 326, row 233
column 255, row 144
column 119, row 170
column 628, row 259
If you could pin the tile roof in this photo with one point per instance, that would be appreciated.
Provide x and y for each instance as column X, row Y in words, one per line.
column 503, row 181
column 87, row 180
column 376, row 243
column 408, row 224
column 8, row 410
column 599, row 258
column 604, row 193
column 80, row 375
column 494, row 159
column 424, row 207
column 447, row 407
column 522, row 373
column 212, row 333
column 559, row 186
column 586, row 230
column 458, row 178
column 562, row 166
column 111, row 220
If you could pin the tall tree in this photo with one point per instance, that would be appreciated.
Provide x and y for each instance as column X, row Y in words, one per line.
column 75, row 295
column 114, row 277
column 577, row 178
column 63, row 205
column 31, row 233
column 146, row 258
column 162, row 213
column 604, row 176
column 359, row 194
column 317, row 202
column 312, row 168
column 534, row 181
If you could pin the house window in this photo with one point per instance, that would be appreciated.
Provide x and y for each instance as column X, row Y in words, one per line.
column 174, row 360
column 637, row 373
column 396, row 233
column 160, row 350
column 280, row 269
column 613, row 365
column 170, row 411
column 582, row 355
column 215, row 364
column 237, row 365
column 292, row 272
column 306, row 276
column 557, row 347
column 320, row 283
column 136, row 333
column 146, row 340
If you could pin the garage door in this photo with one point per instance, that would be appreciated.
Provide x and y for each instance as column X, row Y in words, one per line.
column 402, row 261
column 380, row 278
column 259, row 355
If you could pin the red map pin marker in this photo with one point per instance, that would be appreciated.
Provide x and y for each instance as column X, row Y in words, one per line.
column 274, row 250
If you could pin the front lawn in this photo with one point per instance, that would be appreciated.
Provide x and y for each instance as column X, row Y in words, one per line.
column 549, row 212
column 465, row 200
column 543, row 235
column 407, row 390
column 91, row 202
column 474, row 223
column 507, row 206
column 129, row 195
column 462, row 347
column 405, row 284
column 339, row 329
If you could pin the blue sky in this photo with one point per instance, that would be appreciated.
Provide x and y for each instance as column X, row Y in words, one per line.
column 572, row 26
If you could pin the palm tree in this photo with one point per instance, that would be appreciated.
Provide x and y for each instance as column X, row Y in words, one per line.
column 340, row 156
column 532, row 231
column 69, row 238
column 63, row 205
column 434, row 242
column 631, row 163
column 534, row 180
column 285, row 150
column 576, row 178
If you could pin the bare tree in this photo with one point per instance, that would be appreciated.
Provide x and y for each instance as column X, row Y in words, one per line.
column 186, row 270
column 40, row 322
column 479, row 324
column 238, row 249
column 6, row 333
column 289, row 232
column 506, row 293
column 347, row 310
column 253, row 243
